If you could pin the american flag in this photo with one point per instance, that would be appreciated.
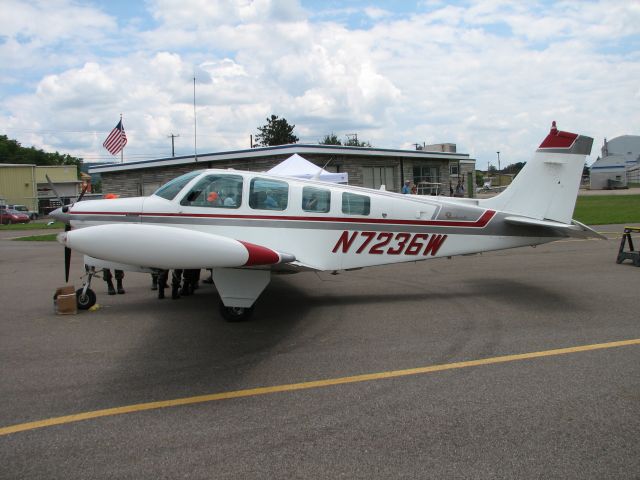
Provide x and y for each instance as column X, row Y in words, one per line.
column 116, row 140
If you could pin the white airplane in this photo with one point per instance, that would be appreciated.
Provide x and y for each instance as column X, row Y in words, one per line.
column 246, row 225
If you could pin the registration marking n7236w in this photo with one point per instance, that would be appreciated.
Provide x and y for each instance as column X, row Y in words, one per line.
column 389, row 243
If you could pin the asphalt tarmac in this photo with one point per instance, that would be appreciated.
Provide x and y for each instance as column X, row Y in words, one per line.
column 568, row 414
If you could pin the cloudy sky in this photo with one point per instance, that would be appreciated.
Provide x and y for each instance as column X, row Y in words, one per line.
column 487, row 75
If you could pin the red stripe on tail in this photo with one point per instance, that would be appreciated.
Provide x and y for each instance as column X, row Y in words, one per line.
column 558, row 139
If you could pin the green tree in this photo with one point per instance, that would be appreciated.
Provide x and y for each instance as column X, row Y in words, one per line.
column 331, row 139
column 12, row 152
column 514, row 168
column 276, row 131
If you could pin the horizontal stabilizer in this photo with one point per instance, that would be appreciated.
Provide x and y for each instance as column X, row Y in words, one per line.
column 574, row 229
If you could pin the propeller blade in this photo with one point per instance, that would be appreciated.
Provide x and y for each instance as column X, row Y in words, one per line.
column 54, row 190
column 67, row 263
column 84, row 190
column 67, row 257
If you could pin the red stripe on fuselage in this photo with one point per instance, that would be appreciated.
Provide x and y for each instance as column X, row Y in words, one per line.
column 479, row 223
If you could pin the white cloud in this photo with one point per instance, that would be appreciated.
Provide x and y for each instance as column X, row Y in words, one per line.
column 447, row 75
column 190, row 14
column 376, row 13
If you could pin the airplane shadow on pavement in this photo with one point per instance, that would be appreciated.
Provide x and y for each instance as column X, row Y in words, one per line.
column 187, row 349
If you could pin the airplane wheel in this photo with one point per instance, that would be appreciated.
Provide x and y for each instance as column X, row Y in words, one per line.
column 235, row 314
column 86, row 301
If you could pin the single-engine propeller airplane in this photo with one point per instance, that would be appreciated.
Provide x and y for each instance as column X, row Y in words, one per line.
column 247, row 225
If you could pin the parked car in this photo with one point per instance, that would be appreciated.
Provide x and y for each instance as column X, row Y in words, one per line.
column 8, row 215
column 25, row 210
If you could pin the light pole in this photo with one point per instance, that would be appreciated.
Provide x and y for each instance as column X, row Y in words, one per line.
column 498, row 168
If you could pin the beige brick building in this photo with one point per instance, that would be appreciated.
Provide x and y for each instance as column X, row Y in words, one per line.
column 431, row 171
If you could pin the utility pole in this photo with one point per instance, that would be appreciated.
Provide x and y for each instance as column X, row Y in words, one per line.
column 499, row 179
column 172, row 137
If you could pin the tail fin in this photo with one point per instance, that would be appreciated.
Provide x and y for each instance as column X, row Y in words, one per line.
column 547, row 187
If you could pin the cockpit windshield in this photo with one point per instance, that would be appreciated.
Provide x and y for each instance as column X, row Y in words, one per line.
column 170, row 189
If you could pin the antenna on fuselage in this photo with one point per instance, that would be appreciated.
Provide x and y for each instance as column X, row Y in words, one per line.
column 317, row 175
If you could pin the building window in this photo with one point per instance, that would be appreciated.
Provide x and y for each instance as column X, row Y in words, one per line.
column 427, row 179
column 268, row 194
column 316, row 200
column 374, row 177
column 353, row 204
column 453, row 169
column 215, row 191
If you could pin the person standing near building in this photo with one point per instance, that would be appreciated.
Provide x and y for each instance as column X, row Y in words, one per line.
column 406, row 187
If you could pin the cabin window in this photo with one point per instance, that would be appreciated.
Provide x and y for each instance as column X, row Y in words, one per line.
column 170, row 189
column 267, row 194
column 215, row 191
column 353, row 204
column 316, row 200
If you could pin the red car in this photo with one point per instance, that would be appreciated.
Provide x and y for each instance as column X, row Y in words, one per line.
column 8, row 215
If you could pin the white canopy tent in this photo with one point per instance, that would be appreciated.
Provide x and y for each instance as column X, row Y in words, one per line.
column 297, row 166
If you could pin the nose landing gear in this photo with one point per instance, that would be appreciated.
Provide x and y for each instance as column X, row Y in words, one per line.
column 85, row 297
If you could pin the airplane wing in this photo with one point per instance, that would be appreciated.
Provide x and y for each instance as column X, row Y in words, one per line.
column 164, row 247
column 574, row 229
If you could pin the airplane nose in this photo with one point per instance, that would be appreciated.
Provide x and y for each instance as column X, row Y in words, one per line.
column 60, row 215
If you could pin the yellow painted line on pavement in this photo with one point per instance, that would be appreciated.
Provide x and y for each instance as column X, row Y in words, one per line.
column 252, row 392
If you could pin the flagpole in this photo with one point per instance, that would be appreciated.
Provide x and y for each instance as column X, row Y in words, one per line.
column 195, row 136
column 122, row 149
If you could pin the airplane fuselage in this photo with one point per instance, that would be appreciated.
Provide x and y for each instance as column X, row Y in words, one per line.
column 352, row 227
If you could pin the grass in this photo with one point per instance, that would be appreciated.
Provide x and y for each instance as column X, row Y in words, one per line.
column 49, row 237
column 607, row 209
column 32, row 226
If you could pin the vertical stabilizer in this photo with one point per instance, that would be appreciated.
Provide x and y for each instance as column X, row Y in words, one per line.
column 547, row 187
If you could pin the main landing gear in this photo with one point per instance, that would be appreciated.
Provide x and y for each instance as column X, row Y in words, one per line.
column 235, row 314
column 238, row 290
column 85, row 297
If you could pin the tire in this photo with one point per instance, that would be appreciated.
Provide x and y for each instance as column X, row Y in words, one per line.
column 235, row 314
column 85, row 302
column 620, row 258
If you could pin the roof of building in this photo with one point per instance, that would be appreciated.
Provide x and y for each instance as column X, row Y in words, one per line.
column 261, row 152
